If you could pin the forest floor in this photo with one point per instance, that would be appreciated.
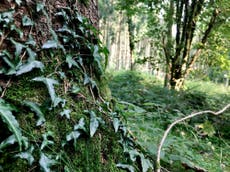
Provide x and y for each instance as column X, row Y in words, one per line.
column 199, row 143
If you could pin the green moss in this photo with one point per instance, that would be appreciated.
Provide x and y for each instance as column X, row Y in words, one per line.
column 100, row 153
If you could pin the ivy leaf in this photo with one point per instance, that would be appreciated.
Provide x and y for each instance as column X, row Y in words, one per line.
column 88, row 80
column 49, row 82
column 74, row 135
column 66, row 113
column 9, row 141
column 50, row 44
column 31, row 54
column 130, row 168
column 145, row 163
column 27, row 155
column 70, row 61
column 80, row 18
column 15, row 28
column 12, row 123
column 94, row 123
column 31, row 41
column 97, row 57
column 10, row 64
column 29, row 67
column 116, row 124
column 58, row 100
column 80, row 125
column 35, row 108
column 133, row 154
column 18, row 47
column 18, row 2
column 75, row 89
column 45, row 162
column 39, row 7
column 46, row 141
column 26, row 21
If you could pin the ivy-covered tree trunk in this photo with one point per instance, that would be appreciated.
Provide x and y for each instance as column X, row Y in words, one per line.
column 54, row 115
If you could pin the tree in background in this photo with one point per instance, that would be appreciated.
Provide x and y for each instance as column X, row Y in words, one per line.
column 177, row 32
column 183, row 30
column 215, row 62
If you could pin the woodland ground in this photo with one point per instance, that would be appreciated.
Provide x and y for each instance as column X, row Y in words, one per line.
column 148, row 108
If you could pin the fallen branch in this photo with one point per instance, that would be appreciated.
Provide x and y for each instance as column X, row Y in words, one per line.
column 158, row 166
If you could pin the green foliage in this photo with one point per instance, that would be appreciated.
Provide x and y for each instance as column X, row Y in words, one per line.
column 27, row 155
column 49, row 82
column 35, row 108
column 46, row 162
column 12, row 124
column 149, row 109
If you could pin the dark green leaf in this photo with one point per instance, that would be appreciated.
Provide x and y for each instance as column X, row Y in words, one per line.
column 58, row 100
column 66, row 113
column 7, row 61
column 29, row 67
column 31, row 54
column 75, row 89
column 80, row 125
column 130, row 168
column 35, row 108
column 46, row 141
column 26, row 21
column 7, row 142
column 15, row 28
column 71, row 62
column 49, row 82
column 12, row 123
column 50, row 44
column 45, row 163
column 18, row 2
column 133, row 154
column 94, row 123
column 97, row 57
column 80, row 18
column 39, row 7
column 73, row 136
column 145, row 163
column 31, row 41
column 18, row 47
column 27, row 155
column 116, row 124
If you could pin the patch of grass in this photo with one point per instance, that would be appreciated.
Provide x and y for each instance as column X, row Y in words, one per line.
column 149, row 108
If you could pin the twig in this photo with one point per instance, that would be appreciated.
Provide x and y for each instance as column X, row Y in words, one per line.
column 4, row 91
column 158, row 166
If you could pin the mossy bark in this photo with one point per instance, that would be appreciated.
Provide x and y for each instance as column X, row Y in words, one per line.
column 98, row 153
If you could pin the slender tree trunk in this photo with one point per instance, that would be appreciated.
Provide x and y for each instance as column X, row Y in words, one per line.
column 118, row 54
column 131, row 40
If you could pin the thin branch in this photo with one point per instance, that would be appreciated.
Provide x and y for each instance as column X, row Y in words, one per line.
column 7, row 85
column 158, row 167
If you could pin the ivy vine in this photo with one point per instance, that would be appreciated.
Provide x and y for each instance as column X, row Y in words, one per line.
column 89, row 58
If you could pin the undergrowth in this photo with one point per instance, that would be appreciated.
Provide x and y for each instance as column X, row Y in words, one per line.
column 199, row 143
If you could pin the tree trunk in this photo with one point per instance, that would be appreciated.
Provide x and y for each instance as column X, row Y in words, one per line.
column 179, row 59
column 131, row 40
column 50, row 73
